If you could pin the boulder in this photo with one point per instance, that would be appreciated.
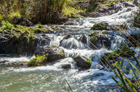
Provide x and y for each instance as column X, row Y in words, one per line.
column 66, row 66
column 82, row 62
column 54, row 53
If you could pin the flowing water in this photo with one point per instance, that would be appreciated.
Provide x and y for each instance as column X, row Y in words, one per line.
column 52, row 78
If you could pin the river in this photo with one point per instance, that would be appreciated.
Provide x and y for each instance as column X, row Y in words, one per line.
column 52, row 78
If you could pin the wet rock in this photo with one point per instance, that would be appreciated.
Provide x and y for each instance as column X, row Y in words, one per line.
column 100, row 26
column 104, row 10
column 127, row 4
column 18, row 45
column 136, row 2
column 82, row 62
column 83, row 39
column 66, row 66
column 3, row 61
column 54, row 53
column 18, row 64
column 67, row 37
column 96, row 14
column 104, row 40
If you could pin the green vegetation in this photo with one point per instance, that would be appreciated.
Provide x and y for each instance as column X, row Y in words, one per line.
column 137, row 20
column 37, row 61
column 123, row 52
column 21, row 30
column 100, row 26
column 125, row 83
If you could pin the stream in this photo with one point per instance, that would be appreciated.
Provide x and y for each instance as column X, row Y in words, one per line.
column 52, row 78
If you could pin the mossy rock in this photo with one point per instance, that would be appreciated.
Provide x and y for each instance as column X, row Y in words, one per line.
column 19, row 64
column 54, row 53
column 82, row 62
column 38, row 61
column 100, row 26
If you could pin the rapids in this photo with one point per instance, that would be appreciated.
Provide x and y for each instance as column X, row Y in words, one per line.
column 52, row 78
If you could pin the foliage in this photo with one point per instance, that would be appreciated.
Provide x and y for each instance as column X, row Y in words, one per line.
column 125, row 83
column 136, row 21
column 123, row 51
column 37, row 61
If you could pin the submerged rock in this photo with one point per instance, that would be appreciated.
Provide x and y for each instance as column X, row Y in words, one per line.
column 54, row 53
column 82, row 62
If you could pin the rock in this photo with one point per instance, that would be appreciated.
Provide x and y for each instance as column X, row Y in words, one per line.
column 83, row 39
column 129, row 9
column 96, row 14
column 104, row 40
column 71, row 22
column 38, row 61
column 103, row 9
column 18, row 45
column 82, row 62
column 3, row 61
column 18, row 64
column 54, row 53
column 136, row 2
column 26, row 22
column 127, row 4
column 66, row 66
column 100, row 26
column 100, row 40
